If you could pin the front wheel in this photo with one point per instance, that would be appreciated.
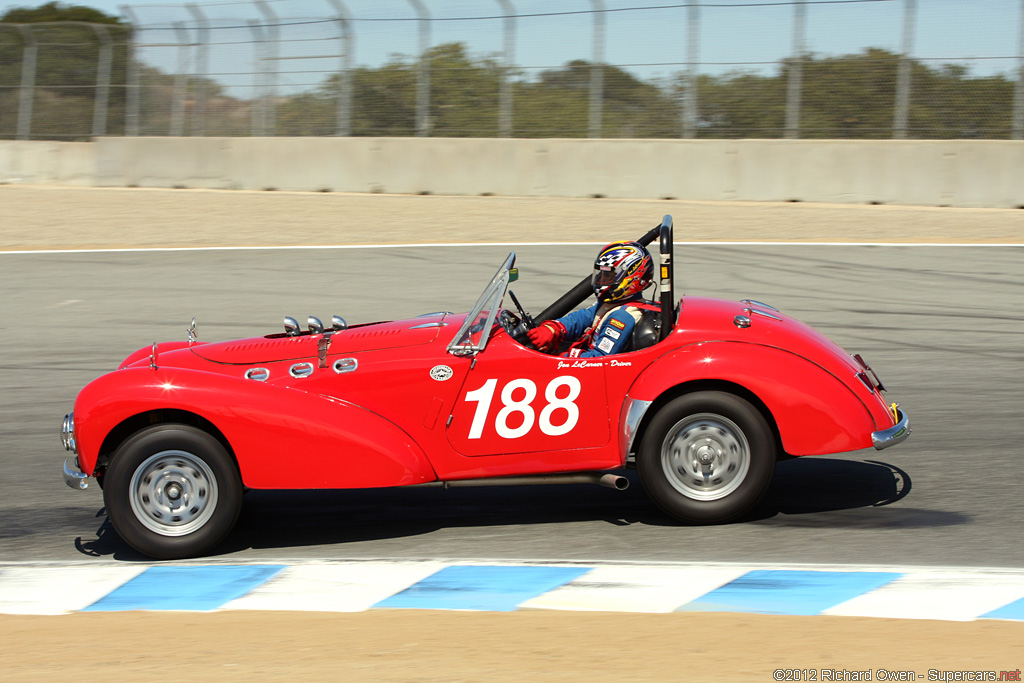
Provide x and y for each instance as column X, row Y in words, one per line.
column 707, row 457
column 172, row 491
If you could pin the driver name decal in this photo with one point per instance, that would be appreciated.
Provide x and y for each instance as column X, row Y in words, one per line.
column 441, row 373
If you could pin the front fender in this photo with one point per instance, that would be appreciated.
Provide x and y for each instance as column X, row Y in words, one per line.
column 816, row 412
column 281, row 437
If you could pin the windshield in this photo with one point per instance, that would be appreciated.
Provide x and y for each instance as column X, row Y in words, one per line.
column 471, row 336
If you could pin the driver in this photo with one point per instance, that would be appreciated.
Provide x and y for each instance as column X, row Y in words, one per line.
column 622, row 271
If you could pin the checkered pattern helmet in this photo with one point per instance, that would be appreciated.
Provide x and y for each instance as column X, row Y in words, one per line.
column 621, row 270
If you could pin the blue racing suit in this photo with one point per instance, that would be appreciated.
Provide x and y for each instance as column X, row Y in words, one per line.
column 602, row 329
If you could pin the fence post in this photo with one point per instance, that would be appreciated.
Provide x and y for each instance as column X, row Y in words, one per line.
column 1018, row 92
column 102, row 100
column 423, row 72
column 131, row 105
column 348, row 39
column 597, row 70
column 202, row 68
column 259, row 117
column 180, row 82
column 690, row 111
column 796, row 68
column 902, row 114
column 505, row 95
column 273, row 35
column 28, row 82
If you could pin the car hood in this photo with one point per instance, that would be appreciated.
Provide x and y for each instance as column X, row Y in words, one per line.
column 366, row 337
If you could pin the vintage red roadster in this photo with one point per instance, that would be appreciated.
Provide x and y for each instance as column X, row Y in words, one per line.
column 710, row 394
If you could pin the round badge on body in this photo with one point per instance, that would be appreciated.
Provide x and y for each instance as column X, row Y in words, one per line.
column 441, row 373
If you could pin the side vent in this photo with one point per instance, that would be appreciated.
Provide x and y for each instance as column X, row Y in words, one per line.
column 258, row 374
column 300, row 370
column 343, row 365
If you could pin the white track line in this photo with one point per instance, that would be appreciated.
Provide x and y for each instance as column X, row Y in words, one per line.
column 499, row 244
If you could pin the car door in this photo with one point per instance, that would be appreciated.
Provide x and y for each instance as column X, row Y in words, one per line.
column 516, row 400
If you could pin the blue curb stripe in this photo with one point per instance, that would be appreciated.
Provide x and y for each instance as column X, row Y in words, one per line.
column 185, row 588
column 1015, row 611
column 788, row 592
column 488, row 588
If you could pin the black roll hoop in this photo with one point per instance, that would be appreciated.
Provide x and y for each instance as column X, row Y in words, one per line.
column 665, row 285
column 575, row 296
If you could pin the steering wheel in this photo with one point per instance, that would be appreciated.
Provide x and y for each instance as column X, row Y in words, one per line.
column 517, row 327
column 526, row 322
column 509, row 322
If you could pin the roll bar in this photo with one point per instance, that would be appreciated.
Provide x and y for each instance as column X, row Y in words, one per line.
column 575, row 296
column 667, row 294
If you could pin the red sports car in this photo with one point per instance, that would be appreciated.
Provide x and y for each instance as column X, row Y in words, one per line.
column 710, row 394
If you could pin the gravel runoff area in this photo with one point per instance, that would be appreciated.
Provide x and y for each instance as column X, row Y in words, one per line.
column 446, row 646
column 100, row 218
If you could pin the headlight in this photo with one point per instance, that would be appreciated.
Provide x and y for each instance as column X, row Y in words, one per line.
column 67, row 433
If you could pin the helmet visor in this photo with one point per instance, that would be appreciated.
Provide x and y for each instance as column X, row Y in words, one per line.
column 604, row 276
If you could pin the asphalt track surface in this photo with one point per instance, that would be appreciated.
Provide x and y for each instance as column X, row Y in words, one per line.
column 941, row 325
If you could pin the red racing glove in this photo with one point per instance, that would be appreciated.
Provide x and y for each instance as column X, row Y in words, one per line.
column 547, row 336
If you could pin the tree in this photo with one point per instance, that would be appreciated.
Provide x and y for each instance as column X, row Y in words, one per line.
column 67, row 59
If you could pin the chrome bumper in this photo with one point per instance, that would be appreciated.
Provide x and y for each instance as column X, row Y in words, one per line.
column 898, row 433
column 74, row 478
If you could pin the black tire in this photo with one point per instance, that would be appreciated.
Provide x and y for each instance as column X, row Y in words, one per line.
column 707, row 457
column 172, row 491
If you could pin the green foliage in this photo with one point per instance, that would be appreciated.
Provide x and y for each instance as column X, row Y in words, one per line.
column 67, row 59
column 57, row 11
column 848, row 96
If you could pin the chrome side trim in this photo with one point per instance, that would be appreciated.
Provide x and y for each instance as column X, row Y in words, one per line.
column 613, row 481
column 431, row 315
column 634, row 410
column 74, row 478
column 300, row 370
column 433, row 324
column 898, row 433
column 258, row 374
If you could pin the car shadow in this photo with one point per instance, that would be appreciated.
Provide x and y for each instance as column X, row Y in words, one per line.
column 807, row 492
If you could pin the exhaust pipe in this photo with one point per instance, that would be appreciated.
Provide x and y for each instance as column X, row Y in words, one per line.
column 612, row 481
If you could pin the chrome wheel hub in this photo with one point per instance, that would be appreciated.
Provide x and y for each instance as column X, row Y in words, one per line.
column 173, row 493
column 705, row 456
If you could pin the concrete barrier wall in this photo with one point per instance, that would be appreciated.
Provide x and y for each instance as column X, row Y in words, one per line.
column 923, row 172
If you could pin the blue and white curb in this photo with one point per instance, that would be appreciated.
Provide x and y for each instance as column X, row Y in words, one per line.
column 355, row 586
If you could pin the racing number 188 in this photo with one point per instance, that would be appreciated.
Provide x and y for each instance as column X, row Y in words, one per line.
column 510, row 405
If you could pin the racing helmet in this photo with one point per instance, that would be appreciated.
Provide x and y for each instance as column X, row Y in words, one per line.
column 621, row 270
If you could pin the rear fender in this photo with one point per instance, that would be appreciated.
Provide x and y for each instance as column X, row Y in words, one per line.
column 281, row 437
column 814, row 411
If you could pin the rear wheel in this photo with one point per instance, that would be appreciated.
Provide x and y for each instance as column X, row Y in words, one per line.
column 707, row 457
column 172, row 491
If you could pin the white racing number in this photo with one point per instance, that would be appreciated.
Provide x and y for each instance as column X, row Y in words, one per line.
column 527, row 391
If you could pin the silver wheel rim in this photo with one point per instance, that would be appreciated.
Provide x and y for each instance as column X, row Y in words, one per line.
column 705, row 456
column 173, row 493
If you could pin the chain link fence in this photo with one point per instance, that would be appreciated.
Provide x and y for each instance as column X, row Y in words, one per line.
column 522, row 68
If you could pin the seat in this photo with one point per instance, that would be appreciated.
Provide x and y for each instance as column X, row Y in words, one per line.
column 647, row 332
